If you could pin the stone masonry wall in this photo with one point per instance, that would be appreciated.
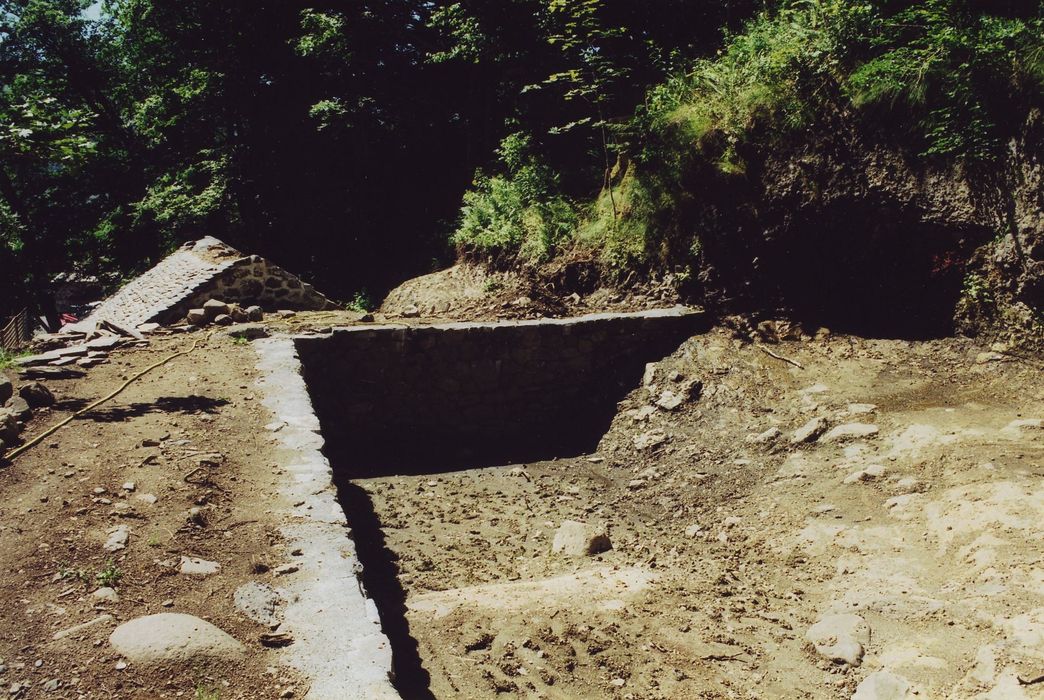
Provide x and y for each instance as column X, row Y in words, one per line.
column 254, row 280
column 405, row 399
column 202, row 270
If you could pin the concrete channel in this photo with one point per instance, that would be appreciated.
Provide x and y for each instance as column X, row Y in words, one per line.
column 374, row 400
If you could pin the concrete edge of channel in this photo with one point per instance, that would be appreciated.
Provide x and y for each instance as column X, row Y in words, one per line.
column 339, row 645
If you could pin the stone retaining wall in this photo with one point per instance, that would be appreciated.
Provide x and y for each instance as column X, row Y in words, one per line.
column 394, row 398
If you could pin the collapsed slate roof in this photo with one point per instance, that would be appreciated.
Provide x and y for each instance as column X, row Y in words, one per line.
column 198, row 271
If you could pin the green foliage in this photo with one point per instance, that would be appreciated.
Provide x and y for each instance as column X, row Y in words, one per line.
column 109, row 576
column 189, row 197
column 976, row 289
column 7, row 358
column 493, row 285
column 520, row 213
column 203, row 691
column 360, row 302
column 773, row 72
column 954, row 70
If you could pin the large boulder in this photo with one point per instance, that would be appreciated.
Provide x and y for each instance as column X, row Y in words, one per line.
column 214, row 308
column 18, row 406
column 174, row 638
column 36, row 395
column 10, row 427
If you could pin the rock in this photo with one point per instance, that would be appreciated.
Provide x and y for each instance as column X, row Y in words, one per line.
column 148, row 328
column 643, row 413
column 883, row 685
column 76, row 629
column 849, row 431
column 107, row 342
column 129, row 486
column 214, row 308
column 769, row 436
column 670, row 400
column 10, row 427
column 649, row 377
column 871, row 473
column 840, row 638
column 908, row 485
column 6, row 389
column 984, row 357
column 254, row 313
column 259, row 603
column 250, row 331
column 285, row 569
column 238, row 314
column 174, row 638
column 36, row 395
column 19, row 407
column 197, row 317
column 106, row 594
column 118, row 537
column 860, row 409
column 650, row 439
column 223, row 320
column 575, row 539
column 193, row 566
column 410, row 311
column 809, row 431
column 52, row 373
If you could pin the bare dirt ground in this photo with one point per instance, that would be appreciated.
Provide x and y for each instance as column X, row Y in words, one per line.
column 724, row 550
column 186, row 436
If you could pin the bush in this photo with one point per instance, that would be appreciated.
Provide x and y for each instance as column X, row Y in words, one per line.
column 520, row 213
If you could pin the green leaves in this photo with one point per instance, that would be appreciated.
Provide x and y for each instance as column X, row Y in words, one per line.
column 957, row 71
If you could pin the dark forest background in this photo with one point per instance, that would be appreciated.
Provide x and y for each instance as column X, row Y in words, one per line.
column 338, row 138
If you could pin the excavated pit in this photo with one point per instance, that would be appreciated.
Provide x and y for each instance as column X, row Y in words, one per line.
column 396, row 400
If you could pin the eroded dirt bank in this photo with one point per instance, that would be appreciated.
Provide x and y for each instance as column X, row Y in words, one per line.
column 925, row 521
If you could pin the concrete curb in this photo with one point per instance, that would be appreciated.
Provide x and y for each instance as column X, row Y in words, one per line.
column 339, row 645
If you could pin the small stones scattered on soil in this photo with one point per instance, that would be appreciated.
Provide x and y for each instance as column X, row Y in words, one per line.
column 174, row 638
column 650, row 439
column 840, row 638
column 285, row 569
column 106, row 594
column 809, row 431
column 871, row 473
column 883, row 685
column 576, row 539
column 118, row 537
column 769, row 436
column 193, row 566
column 849, row 431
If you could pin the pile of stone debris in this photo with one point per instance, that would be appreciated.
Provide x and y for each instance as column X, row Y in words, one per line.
column 18, row 407
column 219, row 313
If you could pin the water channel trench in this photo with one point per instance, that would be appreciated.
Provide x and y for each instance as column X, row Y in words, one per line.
column 396, row 400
